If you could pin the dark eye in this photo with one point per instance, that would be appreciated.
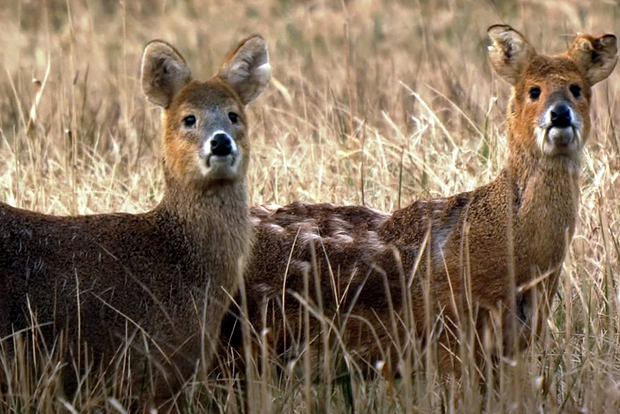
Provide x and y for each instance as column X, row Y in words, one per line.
column 534, row 93
column 575, row 90
column 234, row 118
column 189, row 121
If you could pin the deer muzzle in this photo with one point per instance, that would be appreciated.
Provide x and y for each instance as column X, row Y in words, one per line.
column 559, row 130
column 221, row 155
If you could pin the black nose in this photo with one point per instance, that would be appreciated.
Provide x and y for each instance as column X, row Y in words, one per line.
column 221, row 145
column 560, row 116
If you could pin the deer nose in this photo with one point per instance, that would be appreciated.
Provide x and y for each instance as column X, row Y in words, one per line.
column 221, row 145
column 560, row 116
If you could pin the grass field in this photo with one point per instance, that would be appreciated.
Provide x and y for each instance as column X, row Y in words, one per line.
column 375, row 103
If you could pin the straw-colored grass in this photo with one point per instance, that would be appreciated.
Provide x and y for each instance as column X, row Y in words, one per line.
column 379, row 103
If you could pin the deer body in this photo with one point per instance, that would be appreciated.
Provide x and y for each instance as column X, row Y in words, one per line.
column 156, row 283
column 152, row 261
column 494, row 251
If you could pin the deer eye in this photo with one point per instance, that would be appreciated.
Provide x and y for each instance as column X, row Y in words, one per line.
column 534, row 93
column 189, row 121
column 575, row 90
column 234, row 118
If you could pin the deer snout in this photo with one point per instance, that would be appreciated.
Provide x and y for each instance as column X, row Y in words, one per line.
column 560, row 116
column 221, row 145
column 559, row 129
column 221, row 155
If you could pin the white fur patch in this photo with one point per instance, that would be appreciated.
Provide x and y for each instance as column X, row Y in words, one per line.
column 341, row 237
column 206, row 147
column 540, row 138
column 306, row 237
column 270, row 208
column 263, row 72
column 372, row 238
column 264, row 289
column 275, row 228
column 202, row 165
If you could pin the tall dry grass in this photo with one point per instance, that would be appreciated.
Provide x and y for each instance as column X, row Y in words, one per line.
column 379, row 103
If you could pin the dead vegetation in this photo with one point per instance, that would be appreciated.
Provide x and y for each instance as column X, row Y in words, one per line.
column 375, row 103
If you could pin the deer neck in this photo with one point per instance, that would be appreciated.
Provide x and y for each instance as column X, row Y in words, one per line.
column 546, row 200
column 544, row 183
column 544, row 195
column 213, row 223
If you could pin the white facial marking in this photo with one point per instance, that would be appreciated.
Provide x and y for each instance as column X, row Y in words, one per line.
column 540, row 134
column 206, row 148
column 202, row 165
column 216, row 166
column 546, row 121
column 553, row 140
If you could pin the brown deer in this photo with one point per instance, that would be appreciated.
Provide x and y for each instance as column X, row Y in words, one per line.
column 490, row 257
column 161, row 278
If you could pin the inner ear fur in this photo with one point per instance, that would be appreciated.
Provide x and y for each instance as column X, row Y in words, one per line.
column 595, row 57
column 246, row 69
column 510, row 53
column 164, row 72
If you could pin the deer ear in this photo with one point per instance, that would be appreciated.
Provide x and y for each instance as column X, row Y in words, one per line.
column 510, row 53
column 164, row 72
column 595, row 57
column 246, row 69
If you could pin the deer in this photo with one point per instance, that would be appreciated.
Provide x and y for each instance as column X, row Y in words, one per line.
column 374, row 282
column 156, row 283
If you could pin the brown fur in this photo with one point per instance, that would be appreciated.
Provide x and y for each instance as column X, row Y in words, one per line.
column 161, row 277
column 491, row 256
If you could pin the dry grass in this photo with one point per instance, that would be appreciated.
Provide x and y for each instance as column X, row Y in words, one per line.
column 378, row 103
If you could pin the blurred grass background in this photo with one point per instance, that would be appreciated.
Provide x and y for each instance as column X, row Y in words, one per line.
column 379, row 103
